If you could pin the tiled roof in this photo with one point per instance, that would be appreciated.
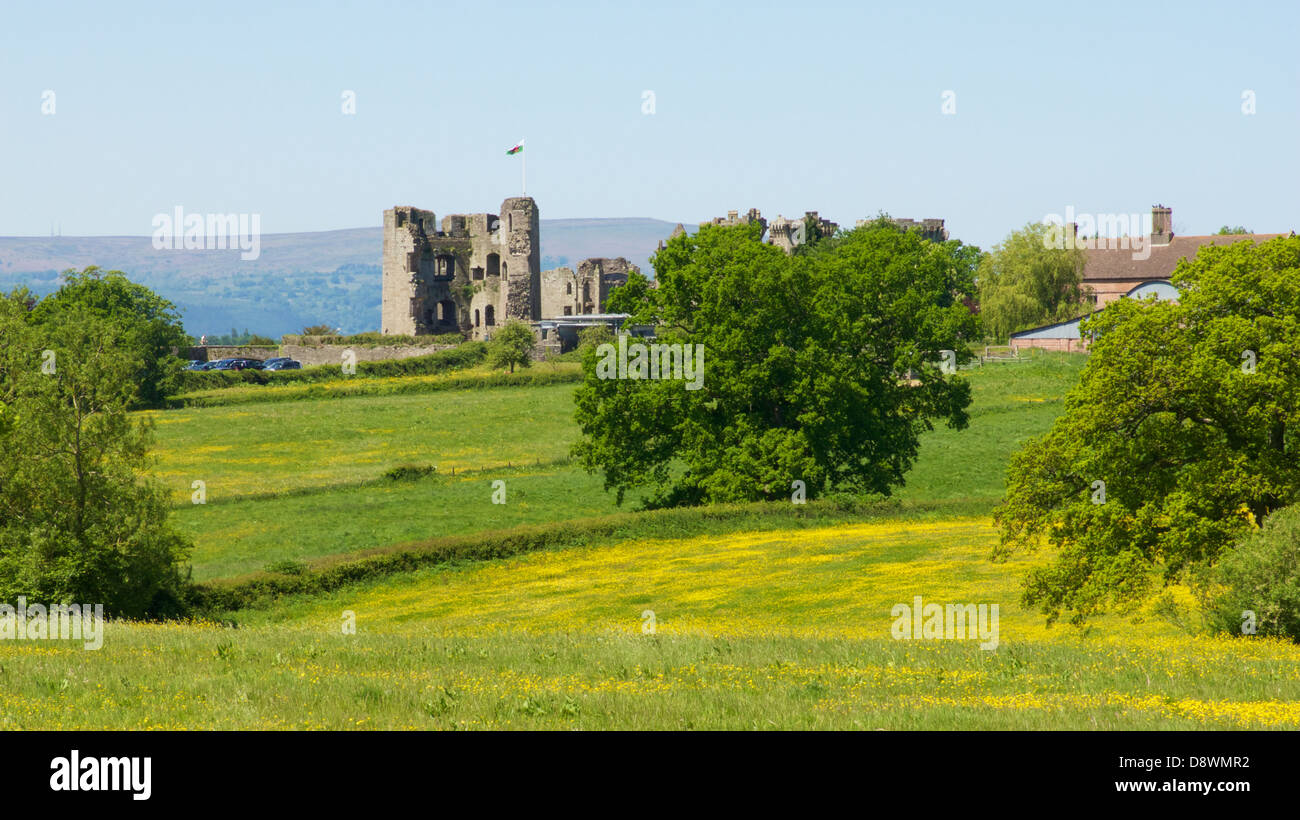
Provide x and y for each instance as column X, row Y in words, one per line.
column 1118, row 263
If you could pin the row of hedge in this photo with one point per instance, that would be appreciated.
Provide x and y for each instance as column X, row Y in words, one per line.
column 219, row 598
column 468, row 354
column 362, row 387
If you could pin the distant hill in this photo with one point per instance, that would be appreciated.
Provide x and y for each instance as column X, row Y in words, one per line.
column 325, row 277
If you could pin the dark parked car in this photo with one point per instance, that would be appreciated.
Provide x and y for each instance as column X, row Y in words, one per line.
column 195, row 364
column 238, row 364
column 283, row 364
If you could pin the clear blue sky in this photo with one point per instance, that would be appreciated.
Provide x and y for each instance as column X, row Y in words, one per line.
column 235, row 107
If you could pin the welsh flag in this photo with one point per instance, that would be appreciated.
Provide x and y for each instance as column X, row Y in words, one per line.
column 519, row 147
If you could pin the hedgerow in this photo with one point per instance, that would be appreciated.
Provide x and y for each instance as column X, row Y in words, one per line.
column 345, row 388
column 465, row 355
column 220, row 598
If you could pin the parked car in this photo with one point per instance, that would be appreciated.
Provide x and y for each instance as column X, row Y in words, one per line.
column 238, row 364
column 195, row 364
column 282, row 364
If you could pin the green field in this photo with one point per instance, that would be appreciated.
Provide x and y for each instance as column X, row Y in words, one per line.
column 760, row 617
column 282, row 490
column 270, row 448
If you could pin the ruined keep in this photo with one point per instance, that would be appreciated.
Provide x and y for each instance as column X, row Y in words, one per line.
column 467, row 275
column 475, row 271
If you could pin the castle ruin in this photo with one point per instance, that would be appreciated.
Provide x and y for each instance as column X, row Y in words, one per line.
column 474, row 272
column 788, row 234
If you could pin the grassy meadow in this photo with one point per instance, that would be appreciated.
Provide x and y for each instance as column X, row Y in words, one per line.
column 748, row 621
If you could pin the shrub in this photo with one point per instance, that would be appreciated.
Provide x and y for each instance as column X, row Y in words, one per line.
column 512, row 345
column 410, row 472
column 1261, row 575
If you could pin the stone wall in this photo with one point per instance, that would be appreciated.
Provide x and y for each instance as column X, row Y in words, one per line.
column 558, row 293
column 333, row 354
column 314, row 354
column 212, row 353
column 568, row 293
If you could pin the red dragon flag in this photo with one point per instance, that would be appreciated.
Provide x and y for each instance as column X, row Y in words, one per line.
column 523, row 166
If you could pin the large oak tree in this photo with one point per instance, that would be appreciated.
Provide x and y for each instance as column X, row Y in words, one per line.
column 820, row 367
column 1188, row 414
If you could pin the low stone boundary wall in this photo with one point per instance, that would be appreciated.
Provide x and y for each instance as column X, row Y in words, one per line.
column 212, row 353
column 333, row 354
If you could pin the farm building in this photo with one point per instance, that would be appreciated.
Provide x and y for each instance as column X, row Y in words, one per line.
column 1113, row 272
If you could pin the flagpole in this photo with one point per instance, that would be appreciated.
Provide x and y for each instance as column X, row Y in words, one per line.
column 523, row 174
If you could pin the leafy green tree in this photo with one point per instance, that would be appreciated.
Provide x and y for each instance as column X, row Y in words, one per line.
column 512, row 344
column 1226, row 231
column 812, row 232
column 595, row 336
column 141, row 319
column 1260, row 576
column 1025, row 282
column 79, row 522
column 1189, row 415
column 318, row 330
column 804, row 363
column 627, row 296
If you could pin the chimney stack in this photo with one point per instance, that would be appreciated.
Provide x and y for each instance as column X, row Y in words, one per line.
column 1162, row 225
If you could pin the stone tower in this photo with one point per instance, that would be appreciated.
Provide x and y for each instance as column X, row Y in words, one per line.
column 524, row 255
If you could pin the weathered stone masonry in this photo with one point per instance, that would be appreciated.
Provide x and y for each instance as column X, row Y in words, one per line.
column 474, row 271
